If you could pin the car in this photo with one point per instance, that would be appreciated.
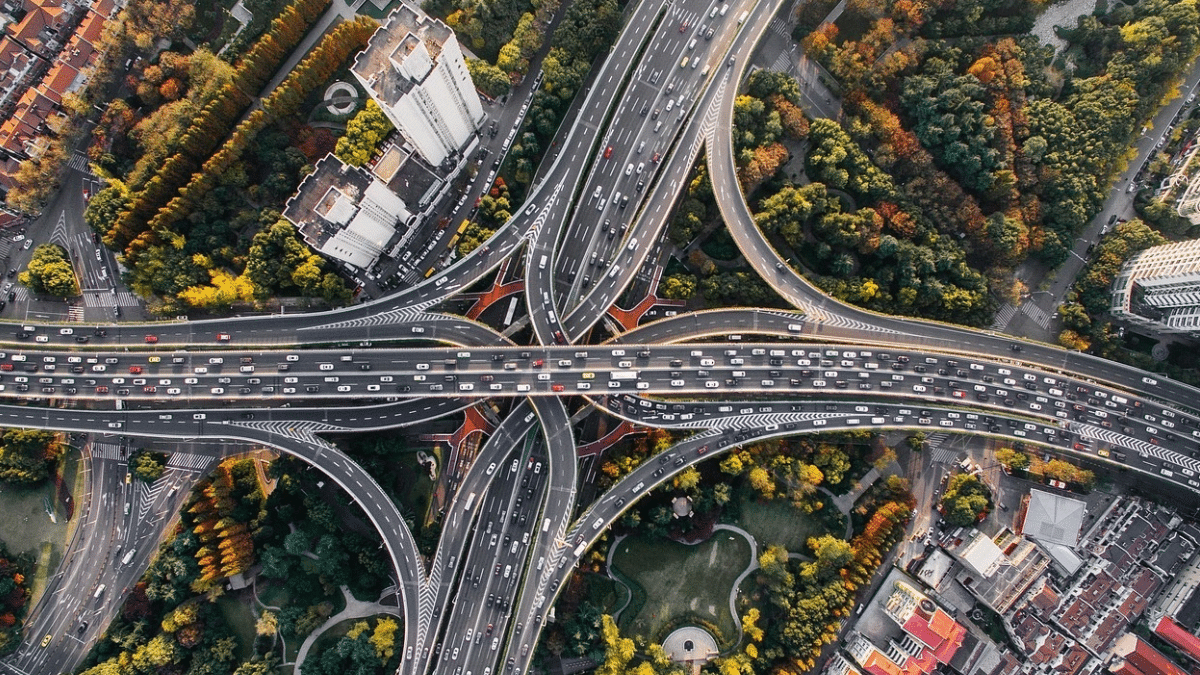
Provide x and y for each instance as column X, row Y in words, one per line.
column 46, row 640
column 154, row 359
column 41, row 338
column 608, row 152
column 151, row 339
column 557, row 387
column 223, row 337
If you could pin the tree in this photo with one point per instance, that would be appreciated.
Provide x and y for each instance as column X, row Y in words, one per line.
column 50, row 271
column 1013, row 459
column 267, row 623
column 491, row 80
column 148, row 466
column 677, row 286
column 364, row 132
column 384, row 638
column 966, row 499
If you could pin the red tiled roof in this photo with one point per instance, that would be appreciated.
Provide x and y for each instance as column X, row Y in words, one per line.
column 57, row 81
column 1142, row 659
column 104, row 7
column 1172, row 632
column 91, row 27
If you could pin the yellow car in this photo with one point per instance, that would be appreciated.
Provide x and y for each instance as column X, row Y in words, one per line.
column 589, row 375
column 155, row 359
column 46, row 640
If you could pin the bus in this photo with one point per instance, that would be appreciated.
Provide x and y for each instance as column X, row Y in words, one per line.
column 470, row 502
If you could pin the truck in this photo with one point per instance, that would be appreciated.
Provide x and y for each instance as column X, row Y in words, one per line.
column 623, row 375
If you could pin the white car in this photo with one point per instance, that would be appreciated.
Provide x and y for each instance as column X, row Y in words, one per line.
column 677, row 383
column 343, row 388
column 711, row 384
column 41, row 338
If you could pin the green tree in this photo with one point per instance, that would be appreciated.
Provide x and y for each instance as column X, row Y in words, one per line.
column 489, row 79
column 1013, row 459
column 364, row 132
column 148, row 466
column 965, row 500
column 50, row 271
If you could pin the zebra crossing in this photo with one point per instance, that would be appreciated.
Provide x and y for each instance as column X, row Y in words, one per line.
column 1006, row 313
column 75, row 313
column 106, row 451
column 110, row 299
column 1039, row 315
column 187, row 460
column 937, row 453
column 79, row 162
column 781, row 27
column 22, row 293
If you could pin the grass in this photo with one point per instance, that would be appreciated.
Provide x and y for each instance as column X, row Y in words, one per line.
column 680, row 583
column 237, row 615
column 778, row 522
column 27, row 528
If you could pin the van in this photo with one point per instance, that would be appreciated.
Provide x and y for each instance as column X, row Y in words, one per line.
column 743, row 17
column 99, row 591
column 542, row 263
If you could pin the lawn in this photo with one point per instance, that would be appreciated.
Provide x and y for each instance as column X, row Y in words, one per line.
column 675, row 583
column 778, row 522
column 27, row 527
column 237, row 615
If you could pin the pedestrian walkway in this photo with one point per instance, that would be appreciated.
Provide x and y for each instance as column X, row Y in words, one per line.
column 94, row 298
column 355, row 609
column 106, row 451
column 1040, row 317
column 187, row 460
column 75, row 313
column 1006, row 313
column 937, row 453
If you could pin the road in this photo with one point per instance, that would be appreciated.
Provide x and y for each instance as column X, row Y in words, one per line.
column 591, row 222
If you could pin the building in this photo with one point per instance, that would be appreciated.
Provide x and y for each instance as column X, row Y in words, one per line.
column 999, row 571
column 1159, row 288
column 1054, row 522
column 347, row 214
column 929, row 637
column 414, row 69
column 1187, row 643
column 1133, row 656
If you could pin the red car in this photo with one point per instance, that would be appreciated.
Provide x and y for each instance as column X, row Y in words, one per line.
column 654, row 158
column 135, row 370
column 223, row 337
column 151, row 339
column 608, row 152
column 557, row 387
column 537, row 363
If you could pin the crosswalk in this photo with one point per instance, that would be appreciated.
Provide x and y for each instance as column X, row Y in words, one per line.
column 106, row 451
column 109, row 299
column 1006, row 313
column 187, row 460
column 781, row 27
column 1039, row 315
column 75, row 313
column 22, row 293
column 937, row 453
column 79, row 162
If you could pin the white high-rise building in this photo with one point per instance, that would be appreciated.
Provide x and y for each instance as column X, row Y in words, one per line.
column 414, row 69
column 1159, row 288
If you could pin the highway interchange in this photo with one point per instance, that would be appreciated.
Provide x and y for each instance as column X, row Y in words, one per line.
column 510, row 538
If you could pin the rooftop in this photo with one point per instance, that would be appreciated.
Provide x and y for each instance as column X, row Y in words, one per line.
column 401, row 53
column 1054, row 519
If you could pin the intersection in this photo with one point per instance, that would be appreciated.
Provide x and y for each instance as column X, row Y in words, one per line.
column 588, row 227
